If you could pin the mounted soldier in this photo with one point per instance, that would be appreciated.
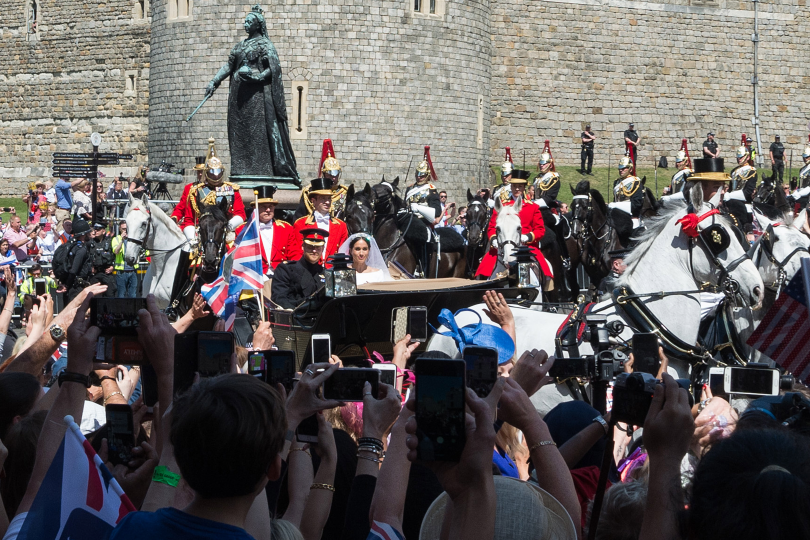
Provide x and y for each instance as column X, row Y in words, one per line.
column 199, row 169
column 801, row 195
column 329, row 171
column 531, row 222
column 213, row 190
column 546, row 188
column 683, row 164
column 504, row 190
column 744, row 175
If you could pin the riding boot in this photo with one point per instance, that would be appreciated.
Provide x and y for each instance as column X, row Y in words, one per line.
column 566, row 258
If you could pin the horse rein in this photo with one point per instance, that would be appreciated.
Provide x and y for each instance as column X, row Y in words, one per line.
column 221, row 248
column 780, row 265
column 149, row 228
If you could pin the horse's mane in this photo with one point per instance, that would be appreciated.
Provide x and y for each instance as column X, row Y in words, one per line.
column 654, row 227
column 582, row 187
column 384, row 194
column 159, row 215
column 597, row 197
column 215, row 211
column 478, row 199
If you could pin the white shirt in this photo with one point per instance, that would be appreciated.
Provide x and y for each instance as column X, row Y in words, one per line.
column 321, row 220
column 50, row 195
column 266, row 233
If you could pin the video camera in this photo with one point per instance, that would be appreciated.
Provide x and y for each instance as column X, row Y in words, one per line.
column 791, row 410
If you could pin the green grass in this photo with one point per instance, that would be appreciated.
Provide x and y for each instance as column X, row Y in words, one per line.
column 602, row 178
column 17, row 203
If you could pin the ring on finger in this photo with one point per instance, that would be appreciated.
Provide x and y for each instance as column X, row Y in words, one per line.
column 309, row 372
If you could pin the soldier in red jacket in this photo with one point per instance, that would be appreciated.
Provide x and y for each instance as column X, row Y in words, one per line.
column 320, row 194
column 180, row 209
column 279, row 240
column 532, row 228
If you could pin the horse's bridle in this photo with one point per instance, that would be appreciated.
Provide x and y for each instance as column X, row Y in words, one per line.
column 219, row 247
column 763, row 246
column 588, row 230
column 725, row 283
column 370, row 202
column 142, row 241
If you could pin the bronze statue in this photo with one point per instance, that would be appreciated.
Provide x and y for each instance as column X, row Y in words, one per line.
column 257, row 114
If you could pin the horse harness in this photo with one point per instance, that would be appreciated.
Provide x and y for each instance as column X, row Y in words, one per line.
column 764, row 244
column 221, row 248
column 588, row 236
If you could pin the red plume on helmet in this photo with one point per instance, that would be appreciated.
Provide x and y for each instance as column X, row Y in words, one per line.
column 630, row 151
column 508, row 156
column 547, row 150
column 327, row 152
column 744, row 141
column 685, row 149
column 430, row 163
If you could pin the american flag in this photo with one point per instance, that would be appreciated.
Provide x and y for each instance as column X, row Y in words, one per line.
column 240, row 269
column 784, row 333
column 79, row 498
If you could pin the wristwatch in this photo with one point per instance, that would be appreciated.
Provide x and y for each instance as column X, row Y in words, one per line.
column 57, row 333
column 603, row 422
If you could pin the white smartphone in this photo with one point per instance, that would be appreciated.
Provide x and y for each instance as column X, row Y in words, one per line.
column 388, row 375
column 716, row 382
column 751, row 381
column 321, row 348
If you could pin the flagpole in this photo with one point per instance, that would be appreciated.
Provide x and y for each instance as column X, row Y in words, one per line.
column 260, row 292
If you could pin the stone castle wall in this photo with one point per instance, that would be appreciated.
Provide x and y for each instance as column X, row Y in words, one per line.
column 381, row 82
column 677, row 69
column 69, row 76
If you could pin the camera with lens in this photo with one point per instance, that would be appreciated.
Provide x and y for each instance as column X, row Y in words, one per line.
column 603, row 365
column 791, row 410
column 632, row 396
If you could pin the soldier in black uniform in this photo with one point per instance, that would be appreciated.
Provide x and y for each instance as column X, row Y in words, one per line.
column 103, row 259
column 80, row 260
column 295, row 282
column 777, row 151
column 587, row 150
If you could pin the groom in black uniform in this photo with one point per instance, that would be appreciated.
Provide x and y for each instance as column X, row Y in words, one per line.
column 295, row 281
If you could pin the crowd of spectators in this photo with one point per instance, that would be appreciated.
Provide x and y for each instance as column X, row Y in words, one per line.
column 221, row 459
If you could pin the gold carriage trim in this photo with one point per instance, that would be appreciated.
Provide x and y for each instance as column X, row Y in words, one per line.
column 192, row 195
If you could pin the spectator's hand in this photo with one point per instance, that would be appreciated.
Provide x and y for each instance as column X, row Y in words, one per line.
column 198, row 310
column 263, row 339
column 403, row 350
column 531, row 371
column 157, row 338
column 135, row 478
column 664, row 363
column 304, row 401
column 325, row 448
column 335, row 359
column 11, row 283
column 475, row 465
column 380, row 414
column 82, row 338
column 497, row 309
column 628, row 364
column 515, row 406
column 669, row 426
column 39, row 314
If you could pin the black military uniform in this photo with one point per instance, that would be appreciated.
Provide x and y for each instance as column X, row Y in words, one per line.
column 295, row 282
column 778, row 165
column 103, row 259
column 631, row 134
column 81, row 261
column 587, row 150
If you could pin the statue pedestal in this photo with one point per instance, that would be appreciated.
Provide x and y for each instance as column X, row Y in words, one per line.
column 247, row 181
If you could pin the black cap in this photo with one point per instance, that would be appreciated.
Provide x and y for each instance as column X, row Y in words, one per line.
column 619, row 253
column 587, row 125
column 631, row 124
column 710, row 134
column 777, row 136
column 100, row 224
column 80, row 227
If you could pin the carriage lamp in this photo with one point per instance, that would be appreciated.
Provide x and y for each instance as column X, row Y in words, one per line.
column 341, row 281
column 528, row 270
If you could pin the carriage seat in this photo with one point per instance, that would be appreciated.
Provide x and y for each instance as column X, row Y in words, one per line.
column 624, row 206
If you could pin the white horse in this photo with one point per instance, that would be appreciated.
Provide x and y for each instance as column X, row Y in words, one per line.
column 663, row 261
column 507, row 230
column 148, row 227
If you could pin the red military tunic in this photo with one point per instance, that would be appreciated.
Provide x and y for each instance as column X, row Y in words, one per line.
column 196, row 194
column 286, row 246
column 180, row 209
column 531, row 222
column 338, row 233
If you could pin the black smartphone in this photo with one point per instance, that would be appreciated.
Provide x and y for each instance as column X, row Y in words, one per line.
column 440, row 402
column 120, row 434
column 214, row 350
column 185, row 361
column 40, row 287
column 566, row 368
column 482, row 369
column 645, row 353
column 273, row 367
column 417, row 323
column 117, row 318
column 346, row 384
column 307, row 431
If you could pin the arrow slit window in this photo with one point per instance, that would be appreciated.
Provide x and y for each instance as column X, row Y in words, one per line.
column 32, row 16
column 428, row 8
column 298, row 120
column 179, row 10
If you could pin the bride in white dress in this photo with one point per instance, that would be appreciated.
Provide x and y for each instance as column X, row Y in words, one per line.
column 367, row 260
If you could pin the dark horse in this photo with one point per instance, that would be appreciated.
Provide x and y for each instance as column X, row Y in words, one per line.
column 478, row 215
column 213, row 224
column 388, row 206
column 591, row 232
column 359, row 210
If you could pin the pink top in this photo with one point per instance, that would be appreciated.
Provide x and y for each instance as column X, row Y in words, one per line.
column 22, row 251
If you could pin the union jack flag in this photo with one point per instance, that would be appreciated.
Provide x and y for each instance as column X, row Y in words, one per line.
column 784, row 333
column 79, row 498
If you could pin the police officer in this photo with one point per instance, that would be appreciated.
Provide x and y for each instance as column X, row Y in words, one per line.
column 631, row 137
column 100, row 247
column 777, row 152
column 681, row 174
column 296, row 281
column 80, row 260
column 587, row 137
column 28, row 287
column 710, row 148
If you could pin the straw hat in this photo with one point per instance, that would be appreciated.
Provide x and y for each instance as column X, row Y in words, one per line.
column 524, row 511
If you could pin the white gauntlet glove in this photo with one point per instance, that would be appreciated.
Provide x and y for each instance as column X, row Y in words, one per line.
column 191, row 234
column 524, row 238
column 425, row 211
column 494, row 243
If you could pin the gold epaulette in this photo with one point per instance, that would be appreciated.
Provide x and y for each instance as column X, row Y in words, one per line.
column 282, row 223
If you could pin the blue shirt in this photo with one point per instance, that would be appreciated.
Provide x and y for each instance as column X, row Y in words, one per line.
column 64, row 199
column 172, row 524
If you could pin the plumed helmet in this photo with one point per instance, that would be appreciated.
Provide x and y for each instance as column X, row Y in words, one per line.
column 507, row 168
column 806, row 153
column 214, row 169
column 625, row 163
column 423, row 169
column 545, row 158
column 330, row 164
column 742, row 151
column 681, row 157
